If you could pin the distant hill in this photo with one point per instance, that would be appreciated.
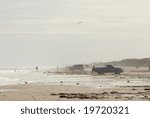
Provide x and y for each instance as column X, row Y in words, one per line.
column 145, row 62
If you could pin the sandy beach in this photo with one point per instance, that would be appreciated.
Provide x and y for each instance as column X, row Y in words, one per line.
column 50, row 50
column 28, row 85
column 63, row 93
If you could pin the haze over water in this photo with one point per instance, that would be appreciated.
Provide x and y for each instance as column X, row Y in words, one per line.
column 61, row 32
column 19, row 77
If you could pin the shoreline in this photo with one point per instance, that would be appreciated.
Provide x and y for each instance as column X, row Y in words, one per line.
column 131, row 86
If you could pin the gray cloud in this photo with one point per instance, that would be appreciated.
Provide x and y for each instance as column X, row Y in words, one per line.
column 59, row 32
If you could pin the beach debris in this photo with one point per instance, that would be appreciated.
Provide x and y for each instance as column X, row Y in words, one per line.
column 3, row 94
column 104, row 93
column 33, row 98
column 77, row 83
column 77, row 95
column 146, row 96
column 147, row 89
column 61, row 82
column 117, row 97
column 102, row 96
column 114, row 92
column 26, row 82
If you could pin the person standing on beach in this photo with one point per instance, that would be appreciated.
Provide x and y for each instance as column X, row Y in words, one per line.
column 93, row 69
column 36, row 68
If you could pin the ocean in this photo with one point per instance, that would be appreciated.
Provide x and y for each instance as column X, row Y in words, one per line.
column 30, row 76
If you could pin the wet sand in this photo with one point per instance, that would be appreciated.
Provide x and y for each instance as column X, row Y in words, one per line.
column 75, row 93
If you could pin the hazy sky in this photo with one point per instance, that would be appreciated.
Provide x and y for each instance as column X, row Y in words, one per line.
column 60, row 32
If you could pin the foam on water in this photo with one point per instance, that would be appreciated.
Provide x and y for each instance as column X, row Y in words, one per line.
column 21, row 76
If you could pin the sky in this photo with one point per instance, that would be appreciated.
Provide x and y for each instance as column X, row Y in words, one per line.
column 64, row 32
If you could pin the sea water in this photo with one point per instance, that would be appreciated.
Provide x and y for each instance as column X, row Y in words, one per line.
column 30, row 76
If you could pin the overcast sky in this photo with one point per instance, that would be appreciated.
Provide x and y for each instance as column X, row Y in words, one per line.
column 62, row 32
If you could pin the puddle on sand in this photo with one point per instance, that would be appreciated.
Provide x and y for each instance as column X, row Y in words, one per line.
column 7, row 90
